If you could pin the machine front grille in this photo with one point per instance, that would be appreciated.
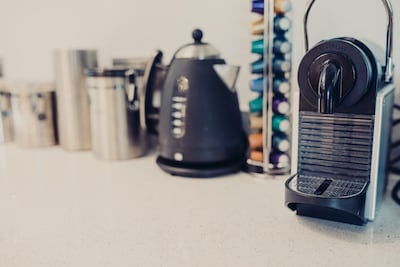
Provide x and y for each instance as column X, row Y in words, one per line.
column 337, row 147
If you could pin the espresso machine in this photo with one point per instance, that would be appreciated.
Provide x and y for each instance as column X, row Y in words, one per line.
column 344, row 124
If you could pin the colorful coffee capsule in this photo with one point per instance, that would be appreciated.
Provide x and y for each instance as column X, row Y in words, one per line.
column 281, row 86
column 255, row 140
column 257, row 85
column 280, row 143
column 257, row 155
column 280, row 123
column 257, row 67
column 257, row 46
column 280, row 46
column 280, row 105
column 257, row 6
column 282, row 24
column 281, row 65
column 257, row 26
column 286, row 56
column 278, row 158
column 256, row 105
column 256, row 121
column 282, row 6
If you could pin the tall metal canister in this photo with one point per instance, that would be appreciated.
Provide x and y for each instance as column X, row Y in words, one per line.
column 72, row 97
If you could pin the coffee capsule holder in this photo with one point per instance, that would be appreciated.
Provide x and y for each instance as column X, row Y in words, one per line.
column 271, row 106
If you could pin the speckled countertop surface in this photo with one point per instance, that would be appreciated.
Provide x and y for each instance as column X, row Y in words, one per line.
column 60, row 208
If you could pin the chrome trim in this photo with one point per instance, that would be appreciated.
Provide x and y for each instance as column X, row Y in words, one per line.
column 372, row 200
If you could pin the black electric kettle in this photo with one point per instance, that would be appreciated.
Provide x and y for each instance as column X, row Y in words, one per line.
column 200, row 129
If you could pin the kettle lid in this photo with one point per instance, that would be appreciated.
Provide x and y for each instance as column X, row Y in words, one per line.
column 197, row 49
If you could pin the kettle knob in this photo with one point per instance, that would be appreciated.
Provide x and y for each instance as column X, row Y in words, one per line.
column 197, row 35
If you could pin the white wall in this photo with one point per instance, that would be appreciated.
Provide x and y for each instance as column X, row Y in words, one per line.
column 32, row 29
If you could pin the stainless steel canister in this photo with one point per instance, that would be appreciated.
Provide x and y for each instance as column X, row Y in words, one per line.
column 117, row 133
column 150, row 74
column 6, row 120
column 33, row 108
column 72, row 100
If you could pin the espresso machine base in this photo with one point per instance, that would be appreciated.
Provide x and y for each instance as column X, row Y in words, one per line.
column 348, row 207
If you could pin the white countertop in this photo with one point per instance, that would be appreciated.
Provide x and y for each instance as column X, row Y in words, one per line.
column 60, row 208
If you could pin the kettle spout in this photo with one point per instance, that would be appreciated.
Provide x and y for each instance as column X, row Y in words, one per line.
column 228, row 74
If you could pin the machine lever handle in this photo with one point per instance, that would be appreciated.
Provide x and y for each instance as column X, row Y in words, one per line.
column 389, row 36
column 329, row 88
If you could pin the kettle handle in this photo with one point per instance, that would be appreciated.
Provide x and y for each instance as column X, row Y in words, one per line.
column 151, row 77
column 389, row 36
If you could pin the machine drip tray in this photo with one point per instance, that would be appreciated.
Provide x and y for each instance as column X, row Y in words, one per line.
column 327, row 187
column 327, row 198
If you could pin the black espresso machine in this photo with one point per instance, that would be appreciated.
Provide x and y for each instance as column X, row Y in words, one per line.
column 344, row 125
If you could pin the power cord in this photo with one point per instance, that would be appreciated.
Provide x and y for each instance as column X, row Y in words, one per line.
column 393, row 168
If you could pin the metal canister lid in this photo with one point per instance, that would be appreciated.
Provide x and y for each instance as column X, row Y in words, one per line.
column 111, row 72
column 137, row 63
column 28, row 88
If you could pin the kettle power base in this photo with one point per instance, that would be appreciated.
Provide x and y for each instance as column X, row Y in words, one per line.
column 200, row 170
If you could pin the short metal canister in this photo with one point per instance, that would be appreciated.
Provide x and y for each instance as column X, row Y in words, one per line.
column 114, row 98
column 6, row 120
column 33, row 106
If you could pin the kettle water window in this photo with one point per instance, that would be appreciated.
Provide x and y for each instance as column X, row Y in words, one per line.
column 270, row 110
column 179, row 102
